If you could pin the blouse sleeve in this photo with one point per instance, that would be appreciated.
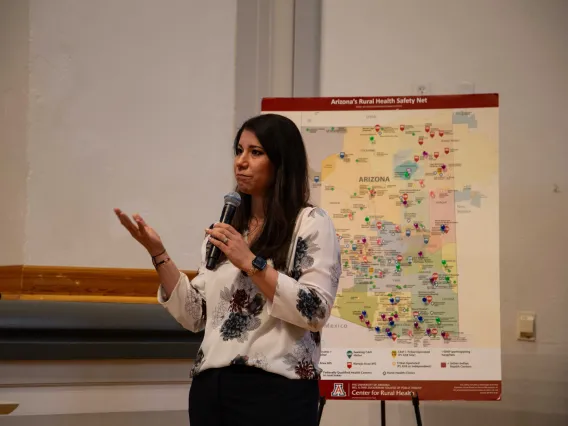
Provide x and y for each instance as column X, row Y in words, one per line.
column 187, row 302
column 306, row 296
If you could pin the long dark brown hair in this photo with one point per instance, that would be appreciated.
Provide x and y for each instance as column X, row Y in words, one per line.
column 290, row 191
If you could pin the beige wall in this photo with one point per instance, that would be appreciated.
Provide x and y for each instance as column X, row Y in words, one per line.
column 14, row 72
column 518, row 49
column 130, row 104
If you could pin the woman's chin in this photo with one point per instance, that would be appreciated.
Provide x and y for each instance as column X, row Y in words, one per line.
column 243, row 189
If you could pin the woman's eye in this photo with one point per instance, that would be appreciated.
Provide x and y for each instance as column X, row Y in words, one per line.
column 257, row 152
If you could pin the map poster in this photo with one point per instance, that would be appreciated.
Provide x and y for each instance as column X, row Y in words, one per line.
column 412, row 185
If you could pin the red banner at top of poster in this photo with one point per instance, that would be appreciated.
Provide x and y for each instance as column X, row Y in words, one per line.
column 485, row 100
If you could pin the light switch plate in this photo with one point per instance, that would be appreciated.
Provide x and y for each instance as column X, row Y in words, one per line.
column 526, row 326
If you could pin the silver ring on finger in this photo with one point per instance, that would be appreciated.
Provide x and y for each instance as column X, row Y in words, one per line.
column 225, row 240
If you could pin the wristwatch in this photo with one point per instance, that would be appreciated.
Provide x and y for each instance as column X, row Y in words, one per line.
column 258, row 264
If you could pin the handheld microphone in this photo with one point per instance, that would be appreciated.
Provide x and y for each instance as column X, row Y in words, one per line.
column 232, row 202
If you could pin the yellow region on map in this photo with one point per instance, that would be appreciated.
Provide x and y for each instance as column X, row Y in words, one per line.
column 394, row 190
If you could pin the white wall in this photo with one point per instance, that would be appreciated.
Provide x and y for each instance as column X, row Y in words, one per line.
column 13, row 109
column 129, row 101
column 132, row 103
column 518, row 49
column 62, row 393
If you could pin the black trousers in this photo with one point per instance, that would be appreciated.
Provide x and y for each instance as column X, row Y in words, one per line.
column 240, row 395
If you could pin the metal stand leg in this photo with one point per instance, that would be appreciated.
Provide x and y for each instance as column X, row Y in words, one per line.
column 416, row 408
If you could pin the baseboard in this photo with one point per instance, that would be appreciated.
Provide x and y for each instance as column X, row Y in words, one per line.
column 79, row 284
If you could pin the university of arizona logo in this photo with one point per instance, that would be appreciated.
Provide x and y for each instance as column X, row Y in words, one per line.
column 338, row 390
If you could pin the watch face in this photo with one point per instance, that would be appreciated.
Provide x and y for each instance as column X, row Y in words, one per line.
column 259, row 263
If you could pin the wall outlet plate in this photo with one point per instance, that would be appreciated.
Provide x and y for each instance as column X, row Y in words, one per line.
column 526, row 329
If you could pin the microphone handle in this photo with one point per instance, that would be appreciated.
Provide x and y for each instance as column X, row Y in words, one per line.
column 227, row 213
column 226, row 217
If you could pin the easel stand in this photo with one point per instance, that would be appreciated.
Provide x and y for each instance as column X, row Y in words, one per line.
column 415, row 403
column 416, row 409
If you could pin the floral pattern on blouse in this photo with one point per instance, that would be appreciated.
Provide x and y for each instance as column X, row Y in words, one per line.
column 238, row 310
column 242, row 327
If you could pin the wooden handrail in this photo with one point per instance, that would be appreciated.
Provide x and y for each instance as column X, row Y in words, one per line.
column 79, row 284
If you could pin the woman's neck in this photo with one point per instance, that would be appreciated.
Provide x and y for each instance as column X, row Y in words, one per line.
column 257, row 208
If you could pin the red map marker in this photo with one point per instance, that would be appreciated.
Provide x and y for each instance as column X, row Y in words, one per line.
column 399, row 258
column 432, row 134
column 420, row 140
column 441, row 132
column 436, row 155
column 405, row 196
column 401, row 127
column 379, row 225
column 377, row 127
column 447, row 150
column 427, row 128
column 416, row 158
column 429, row 299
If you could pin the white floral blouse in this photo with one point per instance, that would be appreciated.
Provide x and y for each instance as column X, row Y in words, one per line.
column 243, row 327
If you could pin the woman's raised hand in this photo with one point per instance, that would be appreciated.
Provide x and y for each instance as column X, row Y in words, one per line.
column 141, row 232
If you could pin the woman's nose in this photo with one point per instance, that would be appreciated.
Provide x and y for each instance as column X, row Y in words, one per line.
column 241, row 160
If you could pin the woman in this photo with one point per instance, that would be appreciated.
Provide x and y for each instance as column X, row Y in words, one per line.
column 265, row 304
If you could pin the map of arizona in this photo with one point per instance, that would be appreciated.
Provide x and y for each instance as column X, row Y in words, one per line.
column 391, row 190
column 413, row 194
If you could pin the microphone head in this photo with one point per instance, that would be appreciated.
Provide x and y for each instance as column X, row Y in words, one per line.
column 233, row 198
